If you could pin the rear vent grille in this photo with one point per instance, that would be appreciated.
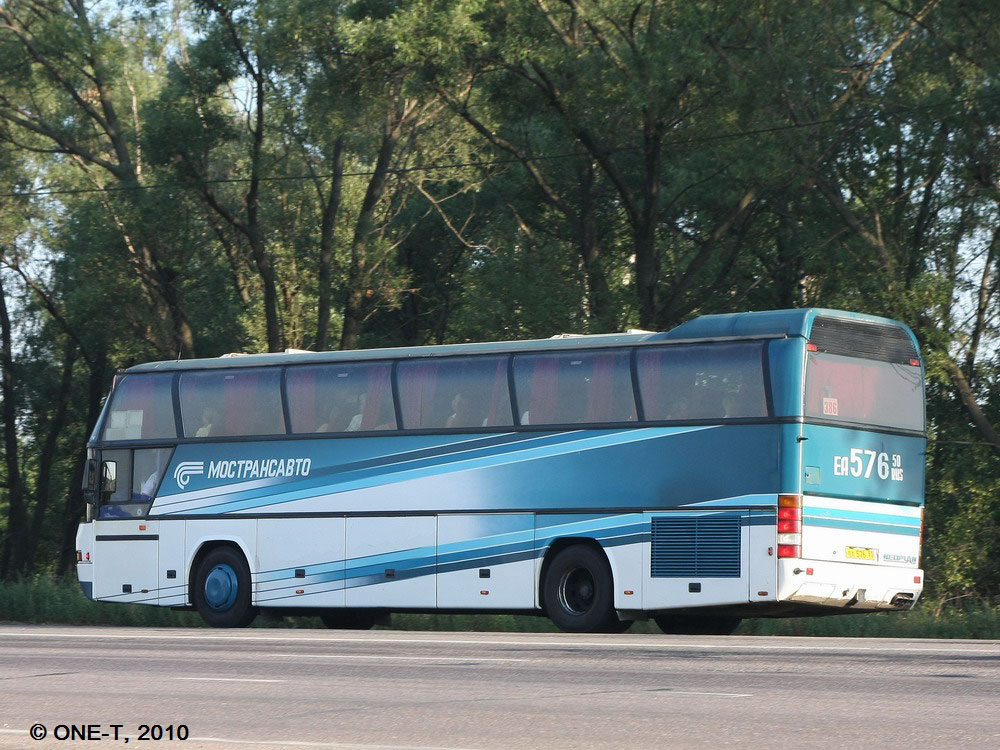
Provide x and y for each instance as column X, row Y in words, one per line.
column 855, row 338
column 696, row 547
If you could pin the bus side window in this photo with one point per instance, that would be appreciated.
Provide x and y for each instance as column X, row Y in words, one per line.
column 109, row 483
column 454, row 393
column 147, row 471
column 340, row 398
column 574, row 387
column 231, row 403
column 702, row 381
column 116, row 499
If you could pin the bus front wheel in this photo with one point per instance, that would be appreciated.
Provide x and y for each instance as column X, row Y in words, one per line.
column 578, row 592
column 222, row 589
column 697, row 624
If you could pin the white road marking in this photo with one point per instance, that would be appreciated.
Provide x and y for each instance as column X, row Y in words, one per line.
column 626, row 643
column 716, row 695
column 223, row 679
column 403, row 658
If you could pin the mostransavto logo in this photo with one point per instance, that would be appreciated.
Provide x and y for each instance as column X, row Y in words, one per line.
column 250, row 468
column 187, row 469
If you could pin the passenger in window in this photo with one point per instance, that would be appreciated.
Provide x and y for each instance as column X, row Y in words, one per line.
column 338, row 421
column 209, row 418
column 464, row 412
column 155, row 459
column 355, row 422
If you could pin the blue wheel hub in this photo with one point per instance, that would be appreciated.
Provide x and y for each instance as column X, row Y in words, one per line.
column 221, row 587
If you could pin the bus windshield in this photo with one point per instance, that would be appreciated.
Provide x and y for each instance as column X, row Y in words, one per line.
column 864, row 391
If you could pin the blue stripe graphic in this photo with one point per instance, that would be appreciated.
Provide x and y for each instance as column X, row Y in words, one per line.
column 499, row 549
column 834, row 523
column 404, row 467
column 854, row 515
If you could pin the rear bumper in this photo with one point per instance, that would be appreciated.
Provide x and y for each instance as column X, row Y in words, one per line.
column 849, row 586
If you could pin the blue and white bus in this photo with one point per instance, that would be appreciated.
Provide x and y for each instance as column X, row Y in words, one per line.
column 744, row 465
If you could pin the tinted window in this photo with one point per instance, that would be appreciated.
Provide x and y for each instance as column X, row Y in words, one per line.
column 340, row 398
column 464, row 393
column 147, row 471
column 574, row 387
column 864, row 391
column 142, row 408
column 708, row 381
column 231, row 402
column 116, row 499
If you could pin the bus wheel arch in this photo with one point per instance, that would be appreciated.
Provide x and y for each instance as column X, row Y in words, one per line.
column 576, row 587
column 220, row 586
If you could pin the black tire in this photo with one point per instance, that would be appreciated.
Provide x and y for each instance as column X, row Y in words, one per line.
column 697, row 624
column 349, row 619
column 222, row 589
column 578, row 592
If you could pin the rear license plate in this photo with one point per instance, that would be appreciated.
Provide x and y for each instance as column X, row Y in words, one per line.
column 860, row 553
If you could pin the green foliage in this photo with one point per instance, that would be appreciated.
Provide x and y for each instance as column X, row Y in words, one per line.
column 43, row 600
column 508, row 170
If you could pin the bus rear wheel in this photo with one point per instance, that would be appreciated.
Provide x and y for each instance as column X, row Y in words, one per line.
column 578, row 592
column 222, row 589
column 697, row 624
column 349, row 619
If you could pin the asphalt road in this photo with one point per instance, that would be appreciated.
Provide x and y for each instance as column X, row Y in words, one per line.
column 242, row 690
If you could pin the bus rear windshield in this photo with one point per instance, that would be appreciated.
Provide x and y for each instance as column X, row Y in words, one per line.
column 864, row 392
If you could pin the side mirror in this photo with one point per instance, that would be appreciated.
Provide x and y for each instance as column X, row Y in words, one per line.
column 90, row 482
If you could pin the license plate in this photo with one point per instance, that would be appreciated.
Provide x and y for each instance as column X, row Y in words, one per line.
column 860, row 553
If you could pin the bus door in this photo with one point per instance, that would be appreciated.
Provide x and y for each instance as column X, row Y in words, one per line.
column 125, row 544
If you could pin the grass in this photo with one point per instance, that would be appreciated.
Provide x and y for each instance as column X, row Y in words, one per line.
column 43, row 600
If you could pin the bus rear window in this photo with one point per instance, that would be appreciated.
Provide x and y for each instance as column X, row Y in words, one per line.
column 231, row 403
column 864, row 391
column 142, row 408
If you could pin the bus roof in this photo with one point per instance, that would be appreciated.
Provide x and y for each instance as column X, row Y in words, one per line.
column 730, row 326
column 796, row 322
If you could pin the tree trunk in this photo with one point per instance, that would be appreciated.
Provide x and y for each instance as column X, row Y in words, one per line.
column 602, row 313
column 48, row 454
column 74, row 495
column 357, row 279
column 14, row 541
column 326, row 239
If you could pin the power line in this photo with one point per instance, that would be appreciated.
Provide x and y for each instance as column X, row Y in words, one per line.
column 732, row 135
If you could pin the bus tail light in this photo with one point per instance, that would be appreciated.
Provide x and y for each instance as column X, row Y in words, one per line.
column 789, row 526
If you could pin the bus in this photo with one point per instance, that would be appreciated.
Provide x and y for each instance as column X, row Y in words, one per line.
column 759, row 464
